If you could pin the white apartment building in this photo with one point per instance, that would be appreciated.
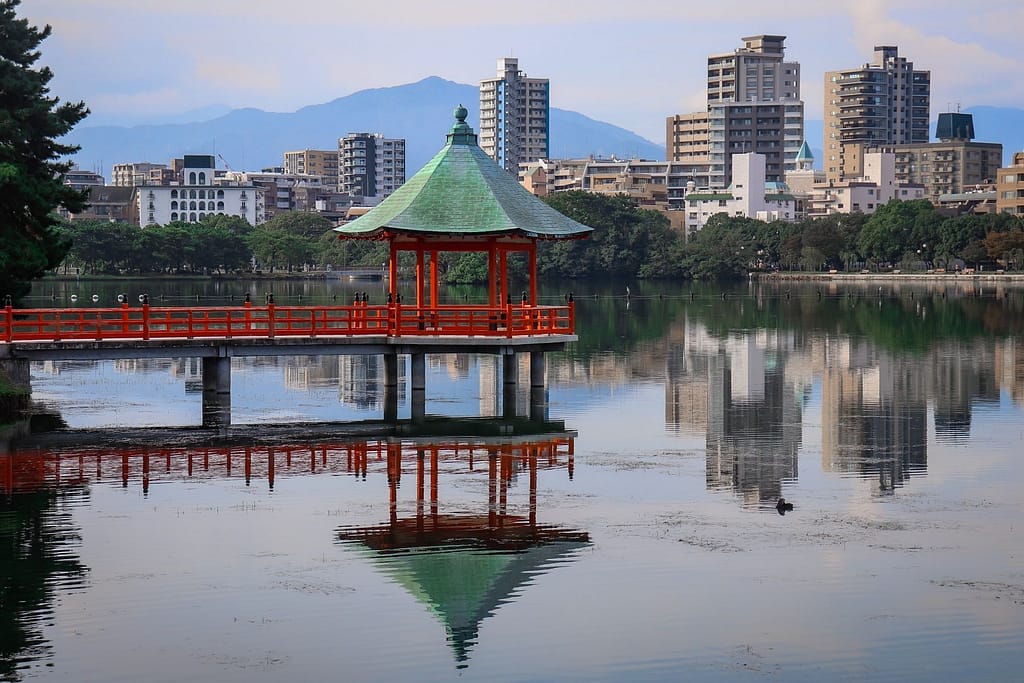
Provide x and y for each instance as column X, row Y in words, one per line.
column 200, row 194
column 370, row 166
column 877, row 186
column 514, row 116
column 749, row 195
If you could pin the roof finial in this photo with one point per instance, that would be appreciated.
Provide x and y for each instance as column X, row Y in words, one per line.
column 461, row 113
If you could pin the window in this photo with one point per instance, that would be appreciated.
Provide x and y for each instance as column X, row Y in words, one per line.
column 174, row 215
column 174, row 194
column 174, row 206
column 202, row 178
column 220, row 206
column 192, row 178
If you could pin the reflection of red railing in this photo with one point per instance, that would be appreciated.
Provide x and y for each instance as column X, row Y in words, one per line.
column 34, row 469
column 226, row 322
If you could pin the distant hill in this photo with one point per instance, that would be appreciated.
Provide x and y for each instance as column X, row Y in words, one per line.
column 251, row 139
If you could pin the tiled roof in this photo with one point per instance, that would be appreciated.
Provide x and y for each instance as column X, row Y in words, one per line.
column 462, row 191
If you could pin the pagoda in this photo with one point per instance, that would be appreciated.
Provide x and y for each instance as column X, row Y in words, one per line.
column 463, row 201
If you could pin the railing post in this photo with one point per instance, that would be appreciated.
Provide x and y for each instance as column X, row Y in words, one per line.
column 248, row 314
column 270, row 316
column 145, row 316
column 8, row 319
column 508, row 316
column 396, row 324
column 572, row 314
column 123, row 298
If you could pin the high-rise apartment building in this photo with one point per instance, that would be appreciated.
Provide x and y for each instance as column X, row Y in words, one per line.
column 370, row 165
column 514, row 116
column 883, row 103
column 1010, row 187
column 753, row 105
column 321, row 162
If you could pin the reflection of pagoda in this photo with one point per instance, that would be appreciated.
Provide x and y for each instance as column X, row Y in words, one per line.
column 874, row 414
column 463, row 567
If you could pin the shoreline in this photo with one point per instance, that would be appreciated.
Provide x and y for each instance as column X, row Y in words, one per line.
column 945, row 278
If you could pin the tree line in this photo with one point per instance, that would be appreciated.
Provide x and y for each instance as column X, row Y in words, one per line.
column 628, row 242
column 219, row 244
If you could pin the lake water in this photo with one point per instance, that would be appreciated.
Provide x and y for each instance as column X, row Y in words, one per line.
column 633, row 535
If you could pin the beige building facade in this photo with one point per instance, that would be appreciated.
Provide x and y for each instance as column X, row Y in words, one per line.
column 1010, row 187
column 753, row 105
column 882, row 103
column 314, row 162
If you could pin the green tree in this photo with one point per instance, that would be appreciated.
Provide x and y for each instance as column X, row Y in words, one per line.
column 627, row 241
column 102, row 246
column 214, row 245
column 898, row 228
column 309, row 225
column 276, row 248
column 31, row 186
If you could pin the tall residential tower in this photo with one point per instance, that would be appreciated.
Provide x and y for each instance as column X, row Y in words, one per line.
column 753, row 105
column 370, row 166
column 514, row 116
column 883, row 103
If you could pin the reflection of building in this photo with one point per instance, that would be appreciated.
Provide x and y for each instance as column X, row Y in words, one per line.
column 961, row 375
column 874, row 414
column 361, row 383
column 754, row 421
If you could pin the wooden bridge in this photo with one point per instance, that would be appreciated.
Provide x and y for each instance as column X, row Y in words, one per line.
column 218, row 333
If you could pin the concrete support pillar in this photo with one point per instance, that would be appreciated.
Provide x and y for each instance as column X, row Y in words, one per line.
column 510, row 383
column 418, row 371
column 418, row 380
column 217, row 391
column 217, row 375
column 537, row 369
column 538, row 390
column 390, row 387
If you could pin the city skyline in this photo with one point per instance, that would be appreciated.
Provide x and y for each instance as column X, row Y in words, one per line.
column 632, row 65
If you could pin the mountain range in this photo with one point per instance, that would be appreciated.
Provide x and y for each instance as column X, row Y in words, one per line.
column 421, row 112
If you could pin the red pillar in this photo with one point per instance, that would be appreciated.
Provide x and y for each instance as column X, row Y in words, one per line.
column 492, row 283
column 532, row 254
column 392, row 269
column 433, row 279
column 503, row 275
column 419, row 276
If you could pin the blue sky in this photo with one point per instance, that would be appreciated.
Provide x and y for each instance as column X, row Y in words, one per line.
column 628, row 63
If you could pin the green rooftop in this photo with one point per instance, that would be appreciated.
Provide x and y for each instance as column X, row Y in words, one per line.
column 462, row 191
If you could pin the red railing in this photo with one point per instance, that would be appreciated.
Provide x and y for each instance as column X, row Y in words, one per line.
column 37, row 468
column 225, row 322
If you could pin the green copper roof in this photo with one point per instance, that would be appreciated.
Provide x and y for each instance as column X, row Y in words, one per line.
column 462, row 191
column 805, row 153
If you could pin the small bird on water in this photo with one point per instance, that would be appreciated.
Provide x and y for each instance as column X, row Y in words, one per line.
column 783, row 507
